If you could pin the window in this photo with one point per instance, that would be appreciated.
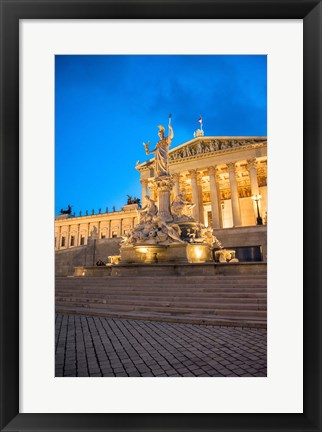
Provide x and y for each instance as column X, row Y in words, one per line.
column 114, row 234
column 82, row 240
column 72, row 241
column 103, row 236
column 63, row 239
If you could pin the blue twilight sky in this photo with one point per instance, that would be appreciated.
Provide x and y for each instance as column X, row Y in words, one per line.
column 106, row 106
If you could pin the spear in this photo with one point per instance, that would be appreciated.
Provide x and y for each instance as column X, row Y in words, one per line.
column 171, row 134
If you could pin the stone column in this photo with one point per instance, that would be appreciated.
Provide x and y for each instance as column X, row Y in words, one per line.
column 215, row 209
column 176, row 188
column 200, row 199
column 152, row 193
column 219, row 201
column 195, row 195
column 110, row 229
column 68, row 237
column 144, row 184
column 234, row 195
column 251, row 166
column 163, row 186
column 59, row 238
column 88, row 231
column 78, row 234
column 121, row 223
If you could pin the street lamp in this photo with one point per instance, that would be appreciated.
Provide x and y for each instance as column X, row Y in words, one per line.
column 257, row 198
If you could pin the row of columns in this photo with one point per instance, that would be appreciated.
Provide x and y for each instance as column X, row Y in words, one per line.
column 196, row 189
column 68, row 232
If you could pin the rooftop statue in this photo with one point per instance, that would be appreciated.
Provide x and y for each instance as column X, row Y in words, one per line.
column 133, row 200
column 161, row 151
column 68, row 211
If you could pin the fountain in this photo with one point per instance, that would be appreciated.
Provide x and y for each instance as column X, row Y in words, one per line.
column 168, row 233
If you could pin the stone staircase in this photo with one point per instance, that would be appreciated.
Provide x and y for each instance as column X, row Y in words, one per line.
column 227, row 300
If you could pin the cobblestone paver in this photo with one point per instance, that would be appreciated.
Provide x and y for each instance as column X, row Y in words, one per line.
column 106, row 347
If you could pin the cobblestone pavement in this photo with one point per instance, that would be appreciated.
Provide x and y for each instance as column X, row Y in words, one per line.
column 108, row 347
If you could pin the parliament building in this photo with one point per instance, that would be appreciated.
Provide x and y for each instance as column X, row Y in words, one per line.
column 221, row 175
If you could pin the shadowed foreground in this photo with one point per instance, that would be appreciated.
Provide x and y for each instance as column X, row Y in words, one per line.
column 108, row 347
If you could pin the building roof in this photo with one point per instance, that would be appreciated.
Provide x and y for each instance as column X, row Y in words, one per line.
column 208, row 145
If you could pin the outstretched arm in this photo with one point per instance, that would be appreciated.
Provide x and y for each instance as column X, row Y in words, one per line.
column 171, row 133
column 147, row 151
column 146, row 147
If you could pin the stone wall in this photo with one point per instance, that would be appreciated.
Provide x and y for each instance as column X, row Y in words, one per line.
column 67, row 259
column 244, row 236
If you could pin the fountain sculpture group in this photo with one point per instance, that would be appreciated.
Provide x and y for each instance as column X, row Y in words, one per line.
column 169, row 233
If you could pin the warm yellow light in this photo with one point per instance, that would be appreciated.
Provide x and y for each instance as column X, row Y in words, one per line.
column 198, row 252
column 83, row 274
column 143, row 250
column 256, row 197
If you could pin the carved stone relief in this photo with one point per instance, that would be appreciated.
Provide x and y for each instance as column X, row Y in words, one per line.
column 202, row 147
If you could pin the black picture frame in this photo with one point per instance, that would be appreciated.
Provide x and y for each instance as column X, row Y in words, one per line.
column 11, row 12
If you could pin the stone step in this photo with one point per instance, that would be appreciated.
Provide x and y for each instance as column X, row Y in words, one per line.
column 172, row 310
column 169, row 277
column 213, row 300
column 188, row 279
column 157, row 297
column 158, row 281
column 139, row 282
column 165, row 303
column 190, row 319
column 193, row 297
column 161, row 290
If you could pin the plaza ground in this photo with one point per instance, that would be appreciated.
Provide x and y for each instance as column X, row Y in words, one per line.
column 92, row 346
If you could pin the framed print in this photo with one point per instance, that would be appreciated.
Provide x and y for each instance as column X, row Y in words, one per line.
column 149, row 311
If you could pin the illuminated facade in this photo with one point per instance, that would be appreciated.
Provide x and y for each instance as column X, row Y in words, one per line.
column 219, row 174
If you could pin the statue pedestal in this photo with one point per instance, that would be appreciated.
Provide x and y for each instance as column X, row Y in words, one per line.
column 62, row 216
column 130, row 207
column 172, row 253
column 199, row 253
column 164, row 186
column 152, row 254
column 130, row 255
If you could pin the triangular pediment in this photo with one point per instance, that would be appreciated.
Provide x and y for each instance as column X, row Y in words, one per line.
column 202, row 146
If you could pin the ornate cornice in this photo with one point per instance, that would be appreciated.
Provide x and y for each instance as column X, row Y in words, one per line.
column 207, row 146
column 202, row 148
